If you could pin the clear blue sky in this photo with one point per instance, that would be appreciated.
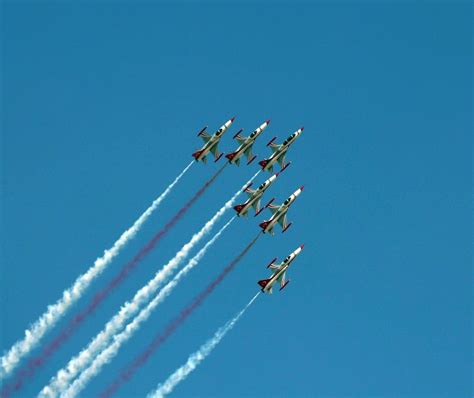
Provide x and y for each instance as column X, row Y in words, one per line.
column 100, row 110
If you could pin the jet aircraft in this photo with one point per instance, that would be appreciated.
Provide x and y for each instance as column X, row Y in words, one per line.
column 279, row 213
column 211, row 142
column 279, row 272
column 255, row 196
column 279, row 151
column 246, row 144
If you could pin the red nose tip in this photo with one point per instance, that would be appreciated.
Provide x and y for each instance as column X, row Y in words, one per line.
column 232, row 118
column 302, row 246
column 301, row 128
column 267, row 121
column 302, row 187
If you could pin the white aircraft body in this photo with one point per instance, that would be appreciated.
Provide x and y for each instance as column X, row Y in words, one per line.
column 279, row 274
column 246, row 144
column 279, row 213
column 211, row 142
column 279, row 151
column 255, row 196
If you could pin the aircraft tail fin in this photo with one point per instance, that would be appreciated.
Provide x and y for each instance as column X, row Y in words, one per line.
column 238, row 208
column 197, row 154
column 263, row 283
column 263, row 163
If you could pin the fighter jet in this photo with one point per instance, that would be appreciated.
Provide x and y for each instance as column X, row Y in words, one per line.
column 211, row 142
column 279, row 274
column 279, row 151
column 279, row 213
column 255, row 195
column 246, row 144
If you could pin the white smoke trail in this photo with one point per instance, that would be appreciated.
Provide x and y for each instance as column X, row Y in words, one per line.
column 55, row 311
column 197, row 357
column 111, row 351
column 64, row 376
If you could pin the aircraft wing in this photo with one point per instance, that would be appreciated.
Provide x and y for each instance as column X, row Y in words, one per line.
column 274, row 208
column 250, row 192
column 282, row 280
column 275, row 267
column 240, row 139
column 215, row 151
column 256, row 205
column 275, row 147
column 248, row 152
column 205, row 137
column 283, row 221
column 281, row 159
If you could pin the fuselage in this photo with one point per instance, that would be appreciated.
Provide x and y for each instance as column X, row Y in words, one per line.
column 237, row 154
column 282, row 150
column 214, row 140
column 282, row 210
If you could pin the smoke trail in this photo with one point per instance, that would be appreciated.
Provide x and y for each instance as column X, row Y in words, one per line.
column 28, row 370
column 64, row 376
column 159, row 339
column 111, row 351
column 54, row 312
column 196, row 358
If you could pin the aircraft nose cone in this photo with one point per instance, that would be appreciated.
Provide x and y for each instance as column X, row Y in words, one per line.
column 232, row 118
column 302, row 247
column 301, row 128
column 302, row 187
column 267, row 121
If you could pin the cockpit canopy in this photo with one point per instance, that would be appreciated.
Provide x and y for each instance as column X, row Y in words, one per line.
column 287, row 259
column 261, row 186
column 289, row 139
column 287, row 201
column 253, row 134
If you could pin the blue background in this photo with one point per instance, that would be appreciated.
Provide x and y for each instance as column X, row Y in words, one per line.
column 100, row 109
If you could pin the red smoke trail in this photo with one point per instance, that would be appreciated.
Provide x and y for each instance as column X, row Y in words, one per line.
column 139, row 361
column 29, row 369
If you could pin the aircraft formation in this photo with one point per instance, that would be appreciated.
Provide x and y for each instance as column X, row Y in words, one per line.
column 70, row 380
column 279, row 212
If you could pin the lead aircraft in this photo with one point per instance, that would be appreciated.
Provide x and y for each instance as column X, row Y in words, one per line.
column 279, row 151
column 279, row 274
